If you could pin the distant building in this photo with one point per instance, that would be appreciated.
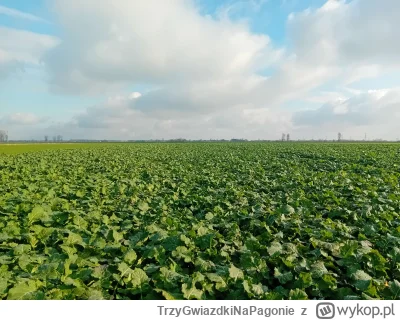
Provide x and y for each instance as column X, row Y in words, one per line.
column 288, row 137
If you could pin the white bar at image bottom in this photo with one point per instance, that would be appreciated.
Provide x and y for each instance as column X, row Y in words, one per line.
column 207, row 309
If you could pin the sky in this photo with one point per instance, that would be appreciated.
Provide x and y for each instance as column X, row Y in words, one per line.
column 200, row 69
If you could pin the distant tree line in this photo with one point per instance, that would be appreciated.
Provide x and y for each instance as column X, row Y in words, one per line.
column 3, row 136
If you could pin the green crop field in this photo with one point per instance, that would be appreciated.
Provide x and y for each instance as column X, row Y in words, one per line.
column 33, row 147
column 200, row 221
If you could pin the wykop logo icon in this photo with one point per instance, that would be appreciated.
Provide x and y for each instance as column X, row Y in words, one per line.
column 325, row 310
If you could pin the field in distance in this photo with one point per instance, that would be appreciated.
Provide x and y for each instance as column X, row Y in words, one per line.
column 200, row 221
column 16, row 148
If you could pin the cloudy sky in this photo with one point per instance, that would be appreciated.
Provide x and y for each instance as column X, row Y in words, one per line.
column 200, row 69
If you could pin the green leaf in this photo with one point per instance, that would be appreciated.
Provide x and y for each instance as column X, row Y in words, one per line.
column 74, row 238
column 42, row 233
column 275, row 248
column 362, row 280
column 348, row 249
column 130, row 257
column 297, row 294
column 170, row 295
column 287, row 209
column 362, row 275
column 305, row 280
column 124, row 270
column 22, row 249
column 23, row 290
column 395, row 289
column 117, row 236
column 38, row 213
column 183, row 253
column 80, row 193
column 6, row 260
column 143, row 206
column 94, row 294
column 3, row 286
column 139, row 278
column 283, row 277
column 318, row 269
column 235, row 273
column 220, row 283
column 191, row 292
column 328, row 282
column 209, row 216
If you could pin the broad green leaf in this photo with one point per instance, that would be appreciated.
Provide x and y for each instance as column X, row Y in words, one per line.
column 170, row 295
column 283, row 277
column 209, row 216
column 395, row 289
column 124, row 269
column 183, row 253
column 23, row 290
column 190, row 292
column 318, row 269
column 362, row 280
column 130, row 257
column 117, row 236
column 275, row 248
column 139, row 278
column 348, row 249
column 235, row 273
column 305, row 280
column 38, row 213
column 220, row 283
column 74, row 238
column 287, row 209
column 143, row 206
column 94, row 294
column 297, row 294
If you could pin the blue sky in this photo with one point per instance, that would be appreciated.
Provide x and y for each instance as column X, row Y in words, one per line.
column 34, row 7
column 32, row 82
column 267, row 17
column 199, row 69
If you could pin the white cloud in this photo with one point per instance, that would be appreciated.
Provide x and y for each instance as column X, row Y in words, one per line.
column 131, row 42
column 116, row 119
column 355, row 34
column 116, row 43
column 22, row 118
column 324, row 96
column 20, row 48
column 19, row 14
column 376, row 111
column 336, row 45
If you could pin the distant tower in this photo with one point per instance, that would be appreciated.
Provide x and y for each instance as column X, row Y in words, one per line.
column 339, row 136
column 288, row 137
column 365, row 137
column 283, row 137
